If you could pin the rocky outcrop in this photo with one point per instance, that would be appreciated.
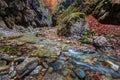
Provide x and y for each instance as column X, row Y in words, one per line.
column 15, row 13
column 106, row 11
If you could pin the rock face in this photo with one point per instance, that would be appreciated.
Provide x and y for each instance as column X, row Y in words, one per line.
column 24, row 13
column 107, row 12
column 2, row 24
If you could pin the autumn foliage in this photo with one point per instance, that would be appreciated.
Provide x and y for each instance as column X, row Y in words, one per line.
column 103, row 28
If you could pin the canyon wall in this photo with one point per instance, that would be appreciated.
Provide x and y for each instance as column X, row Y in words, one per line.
column 22, row 13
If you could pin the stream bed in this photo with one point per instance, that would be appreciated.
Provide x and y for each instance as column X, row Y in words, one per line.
column 45, row 56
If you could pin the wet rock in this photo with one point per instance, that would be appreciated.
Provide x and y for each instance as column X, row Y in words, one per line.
column 28, row 65
column 74, row 53
column 88, row 51
column 114, row 58
column 100, row 41
column 36, row 70
column 64, row 56
column 97, row 67
column 12, row 71
column 80, row 73
column 6, row 58
column 45, row 65
column 58, row 65
column 4, row 76
column 103, row 58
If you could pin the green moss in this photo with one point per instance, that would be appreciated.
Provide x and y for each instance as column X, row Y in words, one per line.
column 109, row 35
column 76, row 15
column 7, row 49
column 118, row 31
column 42, row 50
column 85, row 33
column 71, row 9
column 86, row 41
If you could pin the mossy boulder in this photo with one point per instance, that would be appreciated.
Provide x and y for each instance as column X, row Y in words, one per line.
column 73, row 25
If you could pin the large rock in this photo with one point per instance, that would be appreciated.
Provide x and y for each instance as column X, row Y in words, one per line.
column 100, row 41
column 26, row 67
column 73, row 25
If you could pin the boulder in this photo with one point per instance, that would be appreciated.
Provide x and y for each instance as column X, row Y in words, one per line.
column 73, row 25
column 100, row 41
column 26, row 67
